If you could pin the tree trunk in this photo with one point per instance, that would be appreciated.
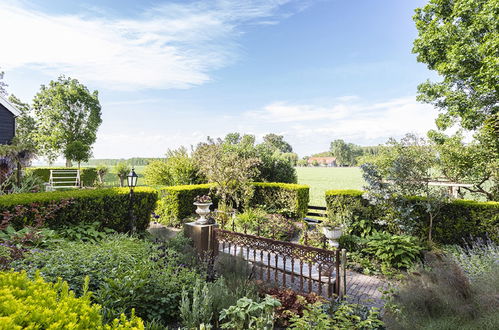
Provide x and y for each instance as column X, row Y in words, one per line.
column 430, row 228
column 69, row 163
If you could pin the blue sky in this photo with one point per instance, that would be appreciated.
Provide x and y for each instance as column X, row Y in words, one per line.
column 170, row 73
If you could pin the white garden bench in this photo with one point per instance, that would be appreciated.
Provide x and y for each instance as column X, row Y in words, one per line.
column 63, row 179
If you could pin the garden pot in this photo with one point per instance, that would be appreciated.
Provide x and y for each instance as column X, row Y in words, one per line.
column 203, row 210
column 332, row 234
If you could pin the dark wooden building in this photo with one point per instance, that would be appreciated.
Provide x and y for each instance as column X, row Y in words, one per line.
column 8, row 114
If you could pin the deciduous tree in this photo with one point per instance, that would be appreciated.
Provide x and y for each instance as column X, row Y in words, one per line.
column 66, row 112
column 459, row 39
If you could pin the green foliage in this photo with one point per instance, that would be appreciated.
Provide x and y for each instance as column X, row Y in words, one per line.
column 258, row 222
column 176, row 202
column 457, row 219
column 249, row 314
column 25, row 125
column 343, row 316
column 110, row 207
column 476, row 258
column 458, row 39
column 85, row 232
column 198, row 310
column 36, row 304
column 88, row 175
column 177, row 169
column 66, row 112
column 102, row 170
column 78, row 151
column 122, row 169
column 441, row 296
column 277, row 142
column 393, row 251
column 346, row 154
column 125, row 273
column 288, row 199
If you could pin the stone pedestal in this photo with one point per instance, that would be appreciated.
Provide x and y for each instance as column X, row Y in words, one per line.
column 203, row 237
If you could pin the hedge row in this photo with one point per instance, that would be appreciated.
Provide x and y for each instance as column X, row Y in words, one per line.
column 284, row 198
column 108, row 206
column 457, row 220
column 88, row 175
column 176, row 202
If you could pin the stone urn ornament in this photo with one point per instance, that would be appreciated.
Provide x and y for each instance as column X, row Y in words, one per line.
column 333, row 234
column 203, row 204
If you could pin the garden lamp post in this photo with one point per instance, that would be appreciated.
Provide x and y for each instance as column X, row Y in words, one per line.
column 132, row 178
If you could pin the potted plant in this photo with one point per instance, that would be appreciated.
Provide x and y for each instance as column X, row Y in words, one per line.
column 333, row 227
column 203, row 204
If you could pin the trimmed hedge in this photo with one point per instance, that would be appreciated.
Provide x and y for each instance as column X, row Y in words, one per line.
column 284, row 198
column 458, row 220
column 88, row 175
column 108, row 206
column 176, row 202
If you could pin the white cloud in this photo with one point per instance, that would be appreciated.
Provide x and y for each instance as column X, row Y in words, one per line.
column 169, row 46
column 307, row 127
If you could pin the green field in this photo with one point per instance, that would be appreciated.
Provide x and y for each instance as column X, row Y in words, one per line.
column 321, row 179
column 112, row 180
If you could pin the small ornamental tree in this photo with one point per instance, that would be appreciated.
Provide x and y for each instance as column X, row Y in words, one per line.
column 231, row 174
column 122, row 169
column 407, row 172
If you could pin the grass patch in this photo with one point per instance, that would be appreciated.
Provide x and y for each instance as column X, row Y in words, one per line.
column 321, row 179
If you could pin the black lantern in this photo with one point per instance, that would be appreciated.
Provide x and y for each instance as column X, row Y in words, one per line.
column 132, row 179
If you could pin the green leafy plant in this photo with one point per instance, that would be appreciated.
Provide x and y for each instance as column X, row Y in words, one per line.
column 398, row 251
column 122, row 169
column 249, row 314
column 197, row 310
column 125, row 273
column 320, row 316
column 85, row 232
column 36, row 304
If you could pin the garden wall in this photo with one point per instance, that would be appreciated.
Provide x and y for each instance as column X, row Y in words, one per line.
column 108, row 206
column 176, row 202
column 458, row 220
column 88, row 175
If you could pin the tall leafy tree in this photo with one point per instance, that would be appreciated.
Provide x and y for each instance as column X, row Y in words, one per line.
column 345, row 153
column 459, row 39
column 25, row 125
column 277, row 141
column 67, row 112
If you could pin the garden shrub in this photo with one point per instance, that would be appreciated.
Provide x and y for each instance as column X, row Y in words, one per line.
column 441, row 296
column 110, row 207
column 125, row 273
column 249, row 314
column 342, row 315
column 457, row 220
column 176, row 202
column 88, row 175
column 36, row 304
column 290, row 200
column 258, row 222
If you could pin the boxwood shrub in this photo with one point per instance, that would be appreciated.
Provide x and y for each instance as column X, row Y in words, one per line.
column 108, row 206
column 176, row 202
column 284, row 198
column 458, row 220
column 88, row 175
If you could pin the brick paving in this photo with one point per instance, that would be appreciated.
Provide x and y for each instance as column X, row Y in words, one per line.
column 364, row 289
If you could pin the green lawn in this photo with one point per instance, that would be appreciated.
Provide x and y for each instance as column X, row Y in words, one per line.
column 321, row 179
column 111, row 179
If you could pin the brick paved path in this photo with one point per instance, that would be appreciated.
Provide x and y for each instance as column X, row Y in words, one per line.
column 364, row 289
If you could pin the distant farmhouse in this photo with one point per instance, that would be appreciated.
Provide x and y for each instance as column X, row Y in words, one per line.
column 322, row 161
column 8, row 114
